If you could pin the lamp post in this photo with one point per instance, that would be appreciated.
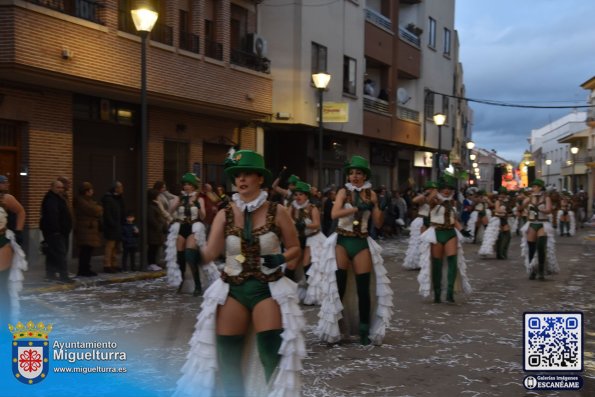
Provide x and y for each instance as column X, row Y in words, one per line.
column 321, row 81
column 548, row 162
column 144, row 19
column 439, row 120
column 574, row 151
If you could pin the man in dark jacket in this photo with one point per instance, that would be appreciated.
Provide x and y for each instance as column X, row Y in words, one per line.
column 56, row 224
column 113, row 217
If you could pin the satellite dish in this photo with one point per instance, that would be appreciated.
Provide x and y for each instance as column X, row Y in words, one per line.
column 260, row 46
column 403, row 96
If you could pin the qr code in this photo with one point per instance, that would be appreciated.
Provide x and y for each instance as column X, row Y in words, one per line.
column 553, row 341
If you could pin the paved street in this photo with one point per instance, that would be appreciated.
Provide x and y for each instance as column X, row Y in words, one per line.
column 472, row 348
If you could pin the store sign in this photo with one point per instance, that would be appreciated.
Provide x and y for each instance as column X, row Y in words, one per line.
column 423, row 159
column 335, row 112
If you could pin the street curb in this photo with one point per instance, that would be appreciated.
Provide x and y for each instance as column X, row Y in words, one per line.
column 94, row 283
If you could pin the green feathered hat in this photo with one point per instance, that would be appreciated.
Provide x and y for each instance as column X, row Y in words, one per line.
column 359, row 163
column 538, row 182
column 431, row 185
column 293, row 179
column 247, row 161
column 447, row 181
column 502, row 190
column 302, row 187
column 191, row 179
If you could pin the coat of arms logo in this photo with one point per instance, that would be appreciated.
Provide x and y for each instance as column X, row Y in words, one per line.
column 30, row 351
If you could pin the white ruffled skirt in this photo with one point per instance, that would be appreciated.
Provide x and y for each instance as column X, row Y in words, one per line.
column 425, row 275
column 411, row 260
column 490, row 236
column 199, row 373
column 331, row 308
column 314, row 291
column 572, row 222
column 551, row 262
column 15, row 277
column 208, row 272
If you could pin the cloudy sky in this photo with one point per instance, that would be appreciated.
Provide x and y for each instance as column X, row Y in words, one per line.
column 530, row 52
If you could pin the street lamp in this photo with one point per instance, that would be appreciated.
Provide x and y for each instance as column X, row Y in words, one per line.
column 472, row 156
column 144, row 19
column 321, row 81
column 439, row 120
column 470, row 145
column 574, row 151
column 548, row 162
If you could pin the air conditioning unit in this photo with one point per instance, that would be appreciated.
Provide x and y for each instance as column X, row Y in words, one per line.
column 257, row 45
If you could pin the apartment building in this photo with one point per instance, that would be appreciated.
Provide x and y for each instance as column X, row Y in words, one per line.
column 393, row 65
column 70, row 94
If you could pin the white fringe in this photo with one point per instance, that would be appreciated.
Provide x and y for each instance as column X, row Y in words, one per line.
column 332, row 310
column 199, row 373
column 472, row 223
column 572, row 222
column 174, row 275
column 315, row 273
column 425, row 275
column 15, row 278
column 490, row 237
column 412, row 256
column 551, row 262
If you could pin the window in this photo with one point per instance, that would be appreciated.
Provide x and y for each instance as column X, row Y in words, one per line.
column 432, row 33
column 318, row 58
column 446, row 41
column 429, row 105
column 349, row 73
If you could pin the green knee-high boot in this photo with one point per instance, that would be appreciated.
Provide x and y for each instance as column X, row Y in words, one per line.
column 452, row 276
column 541, row 247
column 362, row 282
column 505, row 243
column 269, row 343
column 437, row 278
column 230, row 349
column 181, row 260
column 499, row 246
column 193, row 259
column 341, row 276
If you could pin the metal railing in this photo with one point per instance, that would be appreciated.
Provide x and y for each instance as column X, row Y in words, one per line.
column 378, row 19
column 84, row 9
column 214, row 50
column 250, row 61
column 189, row 42
column 375, row 104
column 407, row 114
column 409, row 37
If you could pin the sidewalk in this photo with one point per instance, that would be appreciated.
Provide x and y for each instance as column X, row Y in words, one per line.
column 35, row 282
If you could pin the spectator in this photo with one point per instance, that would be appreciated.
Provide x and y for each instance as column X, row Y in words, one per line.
column 223, row 197
column 130, row 234
column 56, row 224
column 14, row 209
column 369, row 88
column 87, row 232
column 113, row 211
column 156, row 228
column 328, row 224
column 211, row 204
column 166, row 200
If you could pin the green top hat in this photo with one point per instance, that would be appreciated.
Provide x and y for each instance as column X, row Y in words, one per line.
column 247, row 161
column 431, row 185
column 302, row 187
column 359, row 163
column 293, row 179
column 538, row 182
column 502, row 190
column 191, row 178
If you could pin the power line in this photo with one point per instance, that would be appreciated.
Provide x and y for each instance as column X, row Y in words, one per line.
column 512, row 105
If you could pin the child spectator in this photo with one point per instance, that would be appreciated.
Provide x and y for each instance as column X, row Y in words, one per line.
column 129, row 242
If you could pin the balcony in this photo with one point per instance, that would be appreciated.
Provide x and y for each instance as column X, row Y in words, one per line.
column 161, row 32
column 376, row 105
column 250, row 61
column 214, row 50
column 407, row 114
column 409, row 37
column 89, row 10
column 378, row 19
column 189, row 42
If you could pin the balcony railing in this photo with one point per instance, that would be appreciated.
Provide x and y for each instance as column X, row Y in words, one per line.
column 84, row 9
column 163, row 34
column 250, row 61
column 408, row 114
column 409, row 37
column 214, row 50
column 378, row 19
column 189, row 42
column 375, row 104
